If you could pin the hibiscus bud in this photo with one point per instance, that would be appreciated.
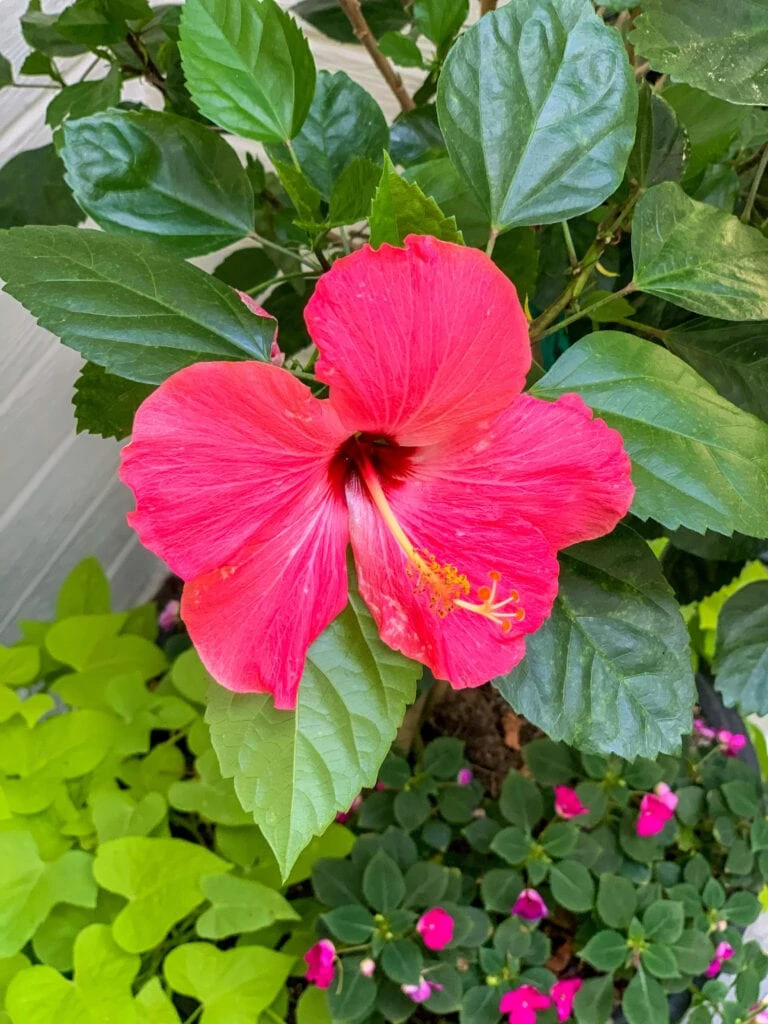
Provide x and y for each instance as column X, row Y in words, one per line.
column 563, row 993
column 169, row 616
column 344, row 816
column 567, row 803
column 435, row 928
column 320, row 960
column 522, row 1003
column 465, row 776
column 530, row 906
column 367, row 967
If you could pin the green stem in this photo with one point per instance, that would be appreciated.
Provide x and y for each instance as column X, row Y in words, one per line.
column 25, row 85
column 89, row 69
column 294, row 158
column 268, row 244
column 493, row 235
column 278, row 279
column 272, row 1016
column 749, row 206
column 573, row 259
column 196, row 1014
column 626, row 290
column 345, row 241
column 654, row 332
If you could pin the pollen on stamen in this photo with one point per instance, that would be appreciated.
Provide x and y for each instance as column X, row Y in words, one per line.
column 442, row 582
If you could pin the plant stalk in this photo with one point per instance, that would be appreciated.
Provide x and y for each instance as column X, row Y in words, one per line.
column 363, row 32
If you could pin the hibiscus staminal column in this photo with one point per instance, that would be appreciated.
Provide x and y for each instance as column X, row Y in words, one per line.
column 445, row 585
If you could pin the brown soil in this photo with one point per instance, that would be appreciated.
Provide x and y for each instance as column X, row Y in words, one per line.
column 493, row 733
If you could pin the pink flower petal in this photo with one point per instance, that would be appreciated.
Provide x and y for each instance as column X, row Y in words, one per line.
column 320, row 960
column 522, row 1003
column 463, row 647
column 567, row 803
column 549, row 463
column 654, row 814
column 435, row 928
column 563, row 994
column 230, row 468
column 530, row 906
column 421, row 343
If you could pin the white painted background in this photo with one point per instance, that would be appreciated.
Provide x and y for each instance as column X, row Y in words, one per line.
column 60, row 498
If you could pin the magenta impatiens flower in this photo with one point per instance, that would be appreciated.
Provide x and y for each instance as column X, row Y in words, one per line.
column 464, row 776
column 343, row 816
column 731, row 743
column 563, row 993
column 435, row 928
column 454, row 490
column 723, row 952
column 567, row 803
column 421, row 992
column 521, row 1004
column 530, row 906
column 656, row 809
column 320, row 960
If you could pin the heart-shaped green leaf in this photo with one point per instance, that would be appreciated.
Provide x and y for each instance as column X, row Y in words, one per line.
column 741, row 654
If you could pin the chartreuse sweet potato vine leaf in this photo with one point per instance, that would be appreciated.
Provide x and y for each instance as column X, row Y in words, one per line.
column 697, row 460
column 610, row 670
column 31, row 887
column 162, row 880
column 699, row 257
column 234, row 985
column 100, row 992
column 157, row 175
column 248, row 67
column 294, row 770
column 537, row 103
column 85, row 591
column 721, row 48
column 741, row 652
column 128, row 305
column 240, row 905
column 154, row 1006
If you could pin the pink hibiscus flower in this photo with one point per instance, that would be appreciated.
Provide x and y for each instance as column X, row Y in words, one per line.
column 435, row 928
column 530, row 906
column 455, row 490
column 563, row 994
column 521, row 1004
column 320, row 960
column 567, row 803
column 656, row 809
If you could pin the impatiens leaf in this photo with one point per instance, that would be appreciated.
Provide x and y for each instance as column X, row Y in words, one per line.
column 247, row 66
column 610, row 670
column 722, row 49
column 699, row 257
column 158, row 176
column 295, row 770
column 234, row 986
column 344, row 123
column 732, row 357
column 100, row 992
column 741, row 654
column 130, row 307
column 106, row 404
column 162, row 880
column 32, row 887
column 537, row 103
column 400, row 209
column 645, row 1001
column 697, row 460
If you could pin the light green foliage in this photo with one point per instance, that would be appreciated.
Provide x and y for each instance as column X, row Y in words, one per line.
column 234, row 985
column 291, row 773
column 240, row 905
column 162, row 880
column 400, row 209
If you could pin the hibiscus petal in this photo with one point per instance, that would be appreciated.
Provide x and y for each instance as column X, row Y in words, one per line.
column 223, row 453
column 253, row 620
column 548, row 462
column 465, row 648
column 418, row 343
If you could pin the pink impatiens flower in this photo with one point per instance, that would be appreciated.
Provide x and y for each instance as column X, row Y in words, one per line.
column 731, row 743
column 454, row 490
column 530, row 906
column 421, row 992
column 567, row 803
column 169, row 616
column 701, row 728
column 723, row 952
column 435, row 928
column 656, row 809
column 320, row 959
column 343, row 816
column 368, row 967
column 563, row 993
column 522, row 1003
column 464, row 776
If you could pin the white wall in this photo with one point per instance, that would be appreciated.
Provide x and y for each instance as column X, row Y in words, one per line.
column 60, row 498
